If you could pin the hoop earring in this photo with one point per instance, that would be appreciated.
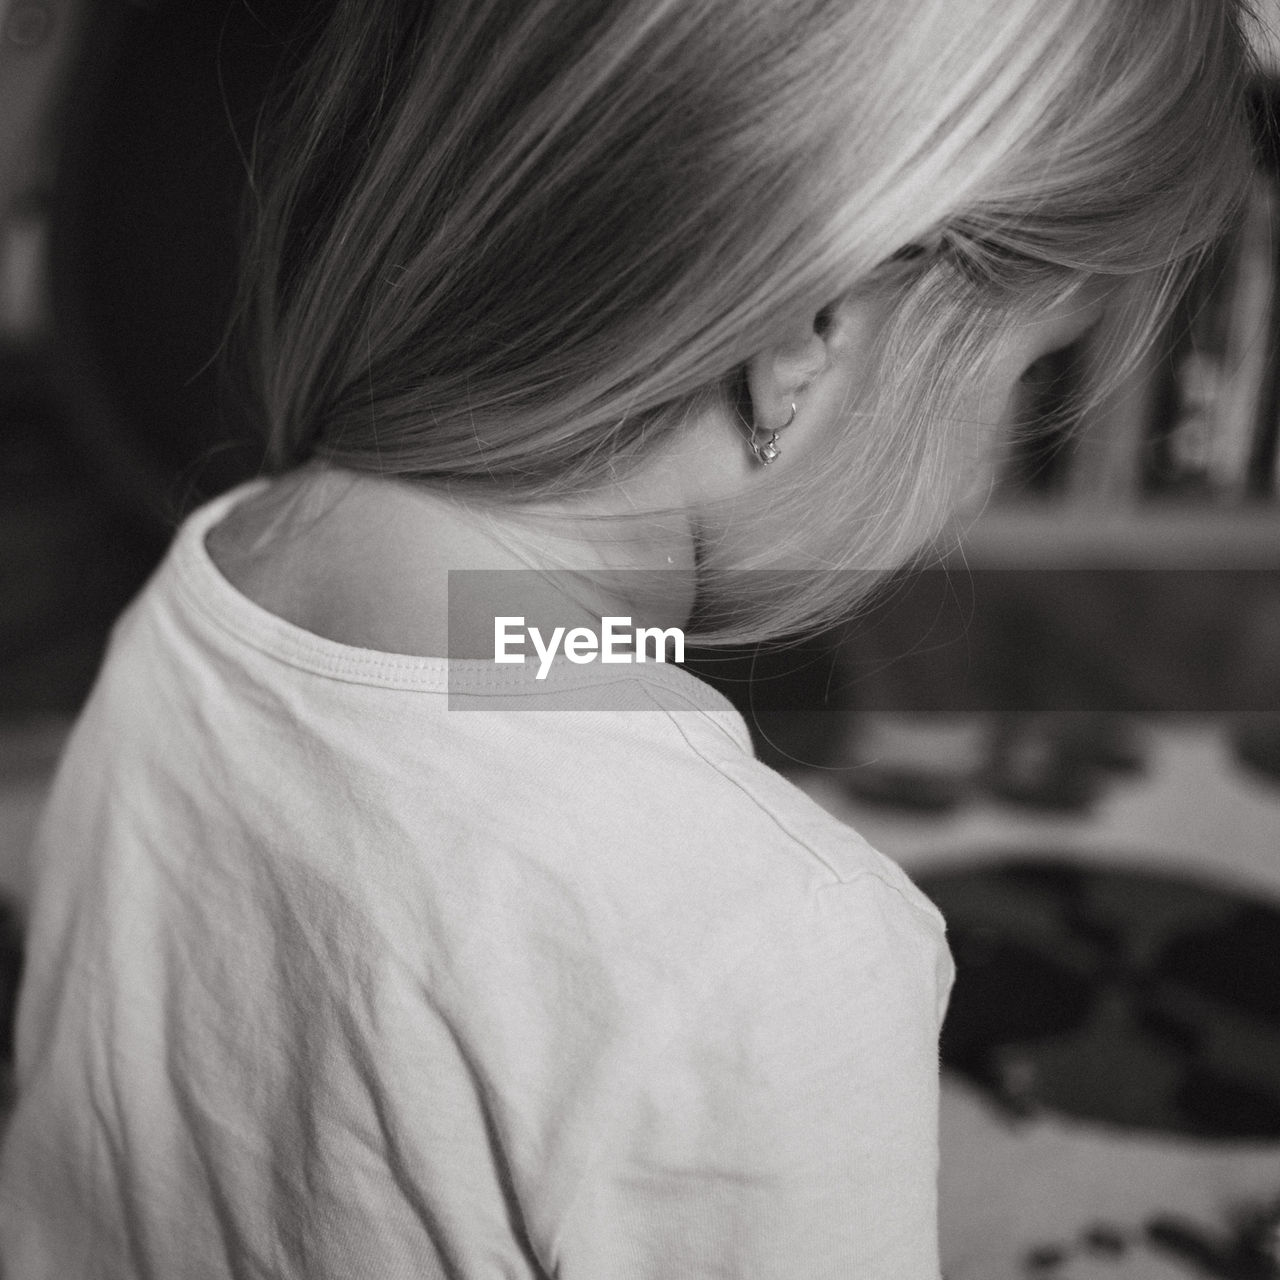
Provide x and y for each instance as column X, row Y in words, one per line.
column 768, row 451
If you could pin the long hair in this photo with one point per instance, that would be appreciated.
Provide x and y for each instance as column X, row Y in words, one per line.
column 508, row 246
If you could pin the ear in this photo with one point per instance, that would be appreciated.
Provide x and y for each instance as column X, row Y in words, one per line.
column 805, row 349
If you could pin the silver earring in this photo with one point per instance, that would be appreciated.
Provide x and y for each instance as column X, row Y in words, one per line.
column 769, row 451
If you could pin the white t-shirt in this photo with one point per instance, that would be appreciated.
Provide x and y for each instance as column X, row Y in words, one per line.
column 329, row 978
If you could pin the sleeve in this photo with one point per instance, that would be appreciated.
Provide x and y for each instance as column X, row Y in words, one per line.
column 791, row 1128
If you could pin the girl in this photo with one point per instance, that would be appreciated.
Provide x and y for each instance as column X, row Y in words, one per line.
column 358, row 953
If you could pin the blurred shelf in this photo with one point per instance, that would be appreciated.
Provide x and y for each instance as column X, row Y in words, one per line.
column 1155, row 535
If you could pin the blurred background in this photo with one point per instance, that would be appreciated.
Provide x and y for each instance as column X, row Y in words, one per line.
column 1067, row 728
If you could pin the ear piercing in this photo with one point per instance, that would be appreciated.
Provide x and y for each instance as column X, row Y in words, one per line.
column 769, row 451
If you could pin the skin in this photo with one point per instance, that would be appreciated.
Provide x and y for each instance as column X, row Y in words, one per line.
column 364, row 561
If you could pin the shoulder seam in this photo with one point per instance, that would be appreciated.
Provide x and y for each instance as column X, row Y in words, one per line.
column 837, row 879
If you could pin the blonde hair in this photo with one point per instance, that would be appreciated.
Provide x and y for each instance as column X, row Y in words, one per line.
column 508, row 246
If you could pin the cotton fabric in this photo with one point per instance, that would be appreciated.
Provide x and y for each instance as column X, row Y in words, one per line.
column 331, row 977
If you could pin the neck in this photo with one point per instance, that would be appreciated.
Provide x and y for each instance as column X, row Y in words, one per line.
column 387, row 554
